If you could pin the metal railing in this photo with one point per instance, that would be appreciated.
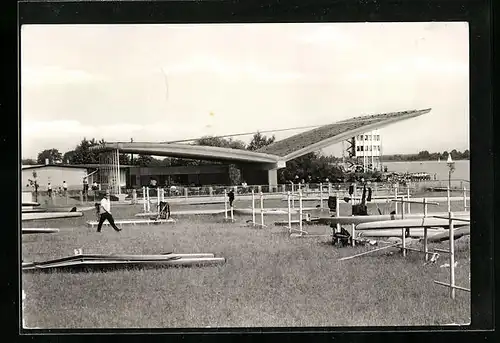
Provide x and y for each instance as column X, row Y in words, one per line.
column 308, row 189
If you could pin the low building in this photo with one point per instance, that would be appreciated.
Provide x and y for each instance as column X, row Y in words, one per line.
column 55, row 174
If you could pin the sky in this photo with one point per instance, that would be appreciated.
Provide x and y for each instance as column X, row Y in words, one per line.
column 168, row 82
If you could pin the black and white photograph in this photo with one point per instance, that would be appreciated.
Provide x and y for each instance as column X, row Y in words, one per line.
column 242, row 175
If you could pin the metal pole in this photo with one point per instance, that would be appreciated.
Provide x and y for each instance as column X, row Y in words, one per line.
column 289, row 214
column 337, row 211
column 321, row 196
column 262, row 209
column 408, row 198
column 353, row 234
column 452, row 258
column 300, row 211
column 465, row 199
column 144, row 197
column 118, row 170
column 396, row 197
column 149, row 199
column 426, row 247
column 448, row 197
column 293, row 196
column 225, row 204
column 403, row 238
column 253, row 207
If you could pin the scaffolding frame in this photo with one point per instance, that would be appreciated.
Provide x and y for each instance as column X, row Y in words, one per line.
column 109, row 172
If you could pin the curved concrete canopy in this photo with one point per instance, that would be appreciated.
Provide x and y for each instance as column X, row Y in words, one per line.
column 313, row 140
column 190, row 151
column 273, row 154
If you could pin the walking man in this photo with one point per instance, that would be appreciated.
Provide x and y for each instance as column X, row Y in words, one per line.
column 231, row 197
column 105, row 213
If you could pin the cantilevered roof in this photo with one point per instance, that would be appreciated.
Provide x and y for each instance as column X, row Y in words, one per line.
column 190, row 151
column 276, row 153
column 315, row 139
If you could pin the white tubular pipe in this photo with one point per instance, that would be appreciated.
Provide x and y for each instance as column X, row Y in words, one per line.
column 426, row 247
column 158, row 198
column 232, row 215
column 408, row 210
column 353, row 234
column 149, row 199
column 289, row 214
column 262, row 209
column 225, row 204
column 448, row 198
column 403, row 239
column 300, row 211
column 321, row 196
column 452, row 258
column 329, row 189
column 144, row 197
column 354, row 193
column 253, row 207
column 396, row 198
column 337, row 211
column 293, row 196
column 465, row 199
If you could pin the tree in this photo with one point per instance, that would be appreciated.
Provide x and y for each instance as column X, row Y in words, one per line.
column 259, row 141
column 53, row 155
column 68, row 156
column 143, row 160
column 82, row 153
column 220, row 142
column 28, row 162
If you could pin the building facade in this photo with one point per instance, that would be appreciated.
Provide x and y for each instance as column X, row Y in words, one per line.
column 366, row 148
column 55, row 174
column 179, row 175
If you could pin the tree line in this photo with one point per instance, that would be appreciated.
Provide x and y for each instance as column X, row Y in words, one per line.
column 426, row 156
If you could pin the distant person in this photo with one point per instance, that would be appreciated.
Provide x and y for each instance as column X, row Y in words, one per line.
column 85, row 186
column 49, row 190
column 65, row 187
column 95, row 187
column 105, row 213
column 231, row 197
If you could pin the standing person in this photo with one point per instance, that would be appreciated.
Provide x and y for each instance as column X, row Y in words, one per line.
column 105, row 213
column 65, row 188
column 85, row 186
column 49, row 190
column 231, row 197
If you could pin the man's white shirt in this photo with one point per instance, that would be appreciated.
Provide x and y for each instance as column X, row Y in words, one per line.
column 105, row 206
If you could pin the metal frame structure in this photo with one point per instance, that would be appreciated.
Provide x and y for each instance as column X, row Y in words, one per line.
column 109, row 171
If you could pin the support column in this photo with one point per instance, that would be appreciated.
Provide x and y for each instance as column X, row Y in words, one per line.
column 272, row 178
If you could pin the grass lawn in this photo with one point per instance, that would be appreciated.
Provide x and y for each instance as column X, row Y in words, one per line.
column 269, row 279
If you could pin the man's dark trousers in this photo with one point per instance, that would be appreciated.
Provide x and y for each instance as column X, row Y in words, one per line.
column 110, row 219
